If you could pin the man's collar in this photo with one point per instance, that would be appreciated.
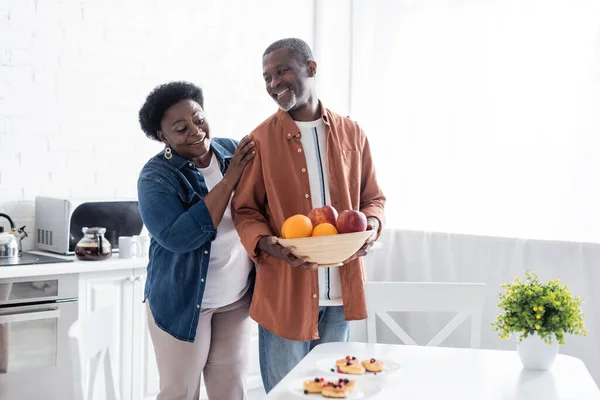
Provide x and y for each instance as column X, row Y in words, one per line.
column 290, row 129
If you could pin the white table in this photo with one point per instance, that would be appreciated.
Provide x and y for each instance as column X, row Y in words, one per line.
column 415, row 256
column 452, row 373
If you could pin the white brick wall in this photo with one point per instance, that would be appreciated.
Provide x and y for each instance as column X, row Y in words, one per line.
column 73, row 74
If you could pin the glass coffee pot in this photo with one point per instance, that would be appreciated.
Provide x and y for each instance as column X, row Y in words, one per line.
column 93, row 246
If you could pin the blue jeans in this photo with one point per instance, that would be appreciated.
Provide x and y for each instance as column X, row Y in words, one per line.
column 278, row 356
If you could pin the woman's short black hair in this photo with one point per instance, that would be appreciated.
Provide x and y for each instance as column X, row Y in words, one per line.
column 159, row 101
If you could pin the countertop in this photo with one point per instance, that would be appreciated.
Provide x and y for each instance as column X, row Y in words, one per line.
column 112, row 264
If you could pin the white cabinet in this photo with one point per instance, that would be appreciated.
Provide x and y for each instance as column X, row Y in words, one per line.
column 120, row 290
column 145, row 378
column 112, row 289
column 134, row 363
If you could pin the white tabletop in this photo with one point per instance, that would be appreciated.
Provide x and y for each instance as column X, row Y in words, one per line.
column 449, row 373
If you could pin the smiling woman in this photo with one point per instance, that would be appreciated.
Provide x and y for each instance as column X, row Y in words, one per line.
column 174, row 114
column 198, row 321
column 185, row 129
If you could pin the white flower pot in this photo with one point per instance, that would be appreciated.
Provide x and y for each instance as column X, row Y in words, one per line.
column 536, row 354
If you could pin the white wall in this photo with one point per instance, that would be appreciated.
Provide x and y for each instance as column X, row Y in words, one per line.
column 73, row 75
column 483, row 114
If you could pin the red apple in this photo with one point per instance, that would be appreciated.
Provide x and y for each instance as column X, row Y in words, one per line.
column 323, row 215
column 351, row 221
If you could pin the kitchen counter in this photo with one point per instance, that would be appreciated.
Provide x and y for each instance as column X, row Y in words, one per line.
column 77, row 266
column 112, row 264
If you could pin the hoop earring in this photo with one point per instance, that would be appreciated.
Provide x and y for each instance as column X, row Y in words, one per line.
column 168, row 153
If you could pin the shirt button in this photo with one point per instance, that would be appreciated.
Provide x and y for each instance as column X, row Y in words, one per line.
column 197, row 305
column 303, row 169
column 289, row 135
column 202, row 280
column 191, row 164
column 314, row 296
column 299, row 150
column 297, row 135
column 205, row 251
column 306, row 195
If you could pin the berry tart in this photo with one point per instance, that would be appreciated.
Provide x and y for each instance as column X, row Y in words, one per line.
column 349, row 365
column 316, row 385
column 373, row 365
column 338, row 390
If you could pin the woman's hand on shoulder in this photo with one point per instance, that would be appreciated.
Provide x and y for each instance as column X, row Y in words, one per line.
column 243, row 154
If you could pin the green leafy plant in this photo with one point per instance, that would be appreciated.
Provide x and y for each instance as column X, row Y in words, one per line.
column 547, row 310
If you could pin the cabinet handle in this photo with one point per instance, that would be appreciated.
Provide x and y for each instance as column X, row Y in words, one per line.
column 129, row 279
column 33, row 316
column 138, row 279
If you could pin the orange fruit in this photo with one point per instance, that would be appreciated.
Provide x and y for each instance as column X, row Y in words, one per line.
column 296, row 226
column 324, row 229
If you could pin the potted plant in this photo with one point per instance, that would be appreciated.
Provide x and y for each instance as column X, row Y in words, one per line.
column 541, row 314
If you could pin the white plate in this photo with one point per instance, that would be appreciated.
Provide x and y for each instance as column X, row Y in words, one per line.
column 364, row 389
column 389, row 367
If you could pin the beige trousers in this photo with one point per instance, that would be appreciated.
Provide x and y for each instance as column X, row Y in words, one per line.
column 220, row 353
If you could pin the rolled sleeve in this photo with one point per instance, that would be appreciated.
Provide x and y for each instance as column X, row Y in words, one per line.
column 199, row 212
column 247, row 207
column 252, row 234
column 174, row 227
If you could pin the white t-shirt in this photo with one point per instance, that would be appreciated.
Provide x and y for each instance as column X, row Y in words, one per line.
column 313, row 141
column 229, row 265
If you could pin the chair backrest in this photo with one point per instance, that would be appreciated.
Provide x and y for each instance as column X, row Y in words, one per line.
column 91, row 340
column 466, row 299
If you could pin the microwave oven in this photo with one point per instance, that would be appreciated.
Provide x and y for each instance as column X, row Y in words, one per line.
column 59, row 221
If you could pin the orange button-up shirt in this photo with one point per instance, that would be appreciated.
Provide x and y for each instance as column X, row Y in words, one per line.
column 275, row 186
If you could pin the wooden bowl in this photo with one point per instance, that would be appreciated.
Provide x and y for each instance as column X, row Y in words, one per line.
column 327, row 251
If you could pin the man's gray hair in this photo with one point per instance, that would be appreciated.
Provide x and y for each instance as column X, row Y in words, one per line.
column 298, row 47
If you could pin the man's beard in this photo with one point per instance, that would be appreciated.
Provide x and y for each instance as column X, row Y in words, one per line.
column 290, row 104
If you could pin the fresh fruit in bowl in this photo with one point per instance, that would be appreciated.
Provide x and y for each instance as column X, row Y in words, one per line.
column 351, row 221
column 297, row 226
column 324, row 229
column 323, row 239
column 322, row 215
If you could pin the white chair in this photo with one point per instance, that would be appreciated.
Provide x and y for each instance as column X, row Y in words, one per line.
column 90, row 342
column 466, row 299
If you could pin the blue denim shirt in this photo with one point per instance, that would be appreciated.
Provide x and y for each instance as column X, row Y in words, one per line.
column 171, row 199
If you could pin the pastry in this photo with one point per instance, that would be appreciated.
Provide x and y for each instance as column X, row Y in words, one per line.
column 335, row 391
column 347, row 383
column 314, row 385
column 343, row 361
column 373, row 365
column 352, row 368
